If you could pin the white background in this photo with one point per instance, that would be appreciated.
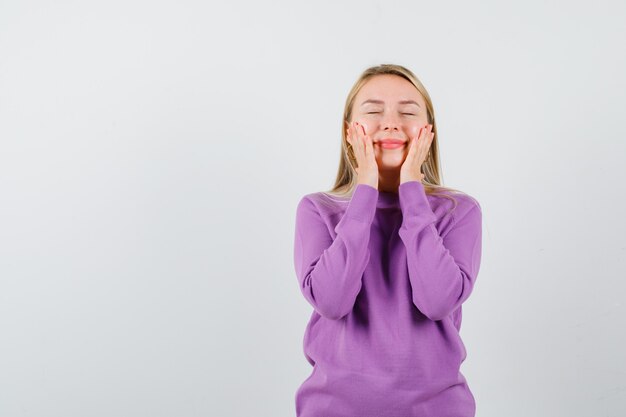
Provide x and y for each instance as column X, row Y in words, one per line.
column 153, row 153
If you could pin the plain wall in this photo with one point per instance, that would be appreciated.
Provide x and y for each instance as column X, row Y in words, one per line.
column 152, row 156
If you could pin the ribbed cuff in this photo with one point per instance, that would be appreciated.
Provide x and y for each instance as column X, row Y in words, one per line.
column 362, row 205
column 413, row 201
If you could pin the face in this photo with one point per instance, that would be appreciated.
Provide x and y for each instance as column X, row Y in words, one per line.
column 390, row 107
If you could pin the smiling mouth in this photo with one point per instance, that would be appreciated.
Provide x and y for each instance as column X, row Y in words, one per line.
column 391, row 140
column 391, row 144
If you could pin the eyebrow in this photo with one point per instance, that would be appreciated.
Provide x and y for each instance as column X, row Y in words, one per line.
column 382, row 102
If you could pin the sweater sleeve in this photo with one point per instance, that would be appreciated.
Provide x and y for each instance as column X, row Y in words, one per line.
column 330, row 270
column 442, row 271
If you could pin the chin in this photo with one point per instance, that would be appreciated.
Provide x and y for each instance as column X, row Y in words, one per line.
column 391, row 161
column 388, row 167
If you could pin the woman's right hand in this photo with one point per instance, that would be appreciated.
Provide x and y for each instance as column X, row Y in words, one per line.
column 363, row 150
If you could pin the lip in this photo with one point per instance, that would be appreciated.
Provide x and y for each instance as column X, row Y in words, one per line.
column 391, row 140
column 390, row 143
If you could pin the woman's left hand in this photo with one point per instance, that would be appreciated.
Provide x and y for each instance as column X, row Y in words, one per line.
column 416, row 155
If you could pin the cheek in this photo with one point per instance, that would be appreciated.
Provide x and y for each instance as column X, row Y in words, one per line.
column 367, row 126
column 414, row 128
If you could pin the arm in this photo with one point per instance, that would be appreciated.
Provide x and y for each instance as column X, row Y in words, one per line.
column 330, row 271
column 442, row 272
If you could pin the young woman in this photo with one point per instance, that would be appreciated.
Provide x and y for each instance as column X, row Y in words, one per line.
column 386, row 259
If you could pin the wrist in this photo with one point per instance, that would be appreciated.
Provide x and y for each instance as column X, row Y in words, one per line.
column 371, row 183
column 406, row 179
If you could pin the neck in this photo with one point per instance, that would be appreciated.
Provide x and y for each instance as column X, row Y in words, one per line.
column 389, row 181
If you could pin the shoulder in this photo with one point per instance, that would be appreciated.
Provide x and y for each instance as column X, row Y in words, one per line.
column 468, row 208
column 324, row 201
column 323, row 204
column 467, row 201
column 455, row 203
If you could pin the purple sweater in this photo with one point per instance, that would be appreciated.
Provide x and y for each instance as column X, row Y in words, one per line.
column 386, row 274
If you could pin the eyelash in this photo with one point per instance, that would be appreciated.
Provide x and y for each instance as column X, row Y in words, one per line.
column 375, row 112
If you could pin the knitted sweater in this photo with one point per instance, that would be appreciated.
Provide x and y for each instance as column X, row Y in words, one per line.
column 386, row 274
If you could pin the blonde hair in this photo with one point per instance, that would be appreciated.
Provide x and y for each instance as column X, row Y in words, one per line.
column 346, row 180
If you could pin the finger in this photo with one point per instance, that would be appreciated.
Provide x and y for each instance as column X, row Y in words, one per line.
column 430, row 139
column 363, row 140
column 409, row 151
column 369, row 146
column 425, row 137
column 358, row 137
column 428, row 144
column 362, row 130
column 425, row 132
column 354, row 142
column 412, row 141
column 416, row 143
column 416, row 147
column 352, row 135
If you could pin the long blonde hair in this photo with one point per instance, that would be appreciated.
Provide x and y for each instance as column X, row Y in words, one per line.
column 346, row 180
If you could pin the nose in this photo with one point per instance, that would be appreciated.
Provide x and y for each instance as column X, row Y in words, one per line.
column 390, row 122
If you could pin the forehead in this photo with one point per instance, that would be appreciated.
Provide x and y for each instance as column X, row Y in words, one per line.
column 390, row 89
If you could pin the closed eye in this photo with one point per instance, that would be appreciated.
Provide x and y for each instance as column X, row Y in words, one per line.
column 376, row 112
